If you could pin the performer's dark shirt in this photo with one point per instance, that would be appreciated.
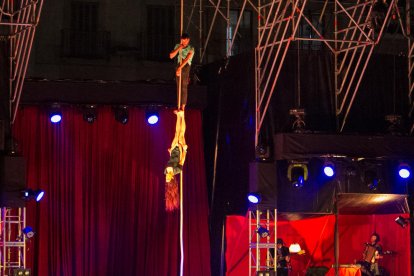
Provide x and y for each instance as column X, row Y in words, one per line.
column 174, row 161
column 282, row 253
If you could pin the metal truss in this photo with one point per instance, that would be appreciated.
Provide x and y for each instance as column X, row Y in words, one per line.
column 411, row 83
column 410, row 56
column 12, row 240
column 259, row 254
column 349, row 29
column 357, row 28
column 18, row 22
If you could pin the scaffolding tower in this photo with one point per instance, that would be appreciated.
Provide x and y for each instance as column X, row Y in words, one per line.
column 18, row 22
column 262, row 237
column 12, row 240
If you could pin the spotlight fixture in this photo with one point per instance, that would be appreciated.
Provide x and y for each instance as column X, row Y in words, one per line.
column 28, row 232
column 89, row 113
column 403, row 222
column 263, row 232
column 152, row 117
column 262, row 152
column 121, row 114
column 37, row 195
column 21, row 272
column 371, row 180
column 254, row 198
column 297, row 173
column 299, row 123
column 55, row 114
column 394, row 124
column 404, row 170
column 329, row 169
column 294, row 248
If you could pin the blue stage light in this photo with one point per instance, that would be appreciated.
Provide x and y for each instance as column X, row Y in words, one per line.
column 39, row 195
column 329, row 169
column 55, row 117
column 152, row 118
column 33, row 194
column 254, row 198
column 404, row 171
column 263, row 232
column 28, row 232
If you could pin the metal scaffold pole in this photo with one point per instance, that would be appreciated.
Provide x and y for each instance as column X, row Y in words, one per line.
column 262, row 238
column 12, row 240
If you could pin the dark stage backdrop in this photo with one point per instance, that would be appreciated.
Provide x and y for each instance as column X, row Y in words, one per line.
column 103, row 213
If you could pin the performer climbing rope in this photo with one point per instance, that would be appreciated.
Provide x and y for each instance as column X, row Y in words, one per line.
column 178, row 152
column 185, row 56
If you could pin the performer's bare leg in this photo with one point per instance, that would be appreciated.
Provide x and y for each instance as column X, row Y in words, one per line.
column 181, row 137
column 177, row 131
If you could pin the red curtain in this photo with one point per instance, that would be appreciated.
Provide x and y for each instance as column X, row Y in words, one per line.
column 316, row 237
column 103, row 213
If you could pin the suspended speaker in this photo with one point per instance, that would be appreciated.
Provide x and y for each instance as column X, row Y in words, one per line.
column 12, row 181
column 262, row 180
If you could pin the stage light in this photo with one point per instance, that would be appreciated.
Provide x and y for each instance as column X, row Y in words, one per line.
column 263, row 152
column 89, row 113
column 28, row 232
column 299, row 121
column 21, row 272
column 371, row 180
column 55, row 114
column 297, row 174
column 329, row 169
column 401, row 221
column 394, row 124
column 55, row 117
column 37, row 195
column 254, row 198
column 121, row 114
column 263, row 232
column 404, row 171
column 294, row 248
column 152, row 117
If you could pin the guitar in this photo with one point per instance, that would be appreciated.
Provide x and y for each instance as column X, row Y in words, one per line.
column 377, row 256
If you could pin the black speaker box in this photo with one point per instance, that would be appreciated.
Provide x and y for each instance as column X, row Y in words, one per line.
column 12, row 181
column 262, row 180
column 2, row 134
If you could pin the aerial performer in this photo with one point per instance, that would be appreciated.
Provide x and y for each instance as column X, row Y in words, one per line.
column 178, row 152
column 185, row 53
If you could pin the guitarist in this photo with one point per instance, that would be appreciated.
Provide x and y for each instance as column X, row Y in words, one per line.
column 372, row 253
column 282, row 258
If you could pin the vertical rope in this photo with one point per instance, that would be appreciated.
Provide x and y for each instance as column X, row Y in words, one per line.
column 181, row 226
column 179, row 52
column 181, row 174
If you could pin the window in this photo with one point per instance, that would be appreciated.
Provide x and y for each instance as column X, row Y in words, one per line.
column 84, row 16
column 83, row 39
column 160, row 32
